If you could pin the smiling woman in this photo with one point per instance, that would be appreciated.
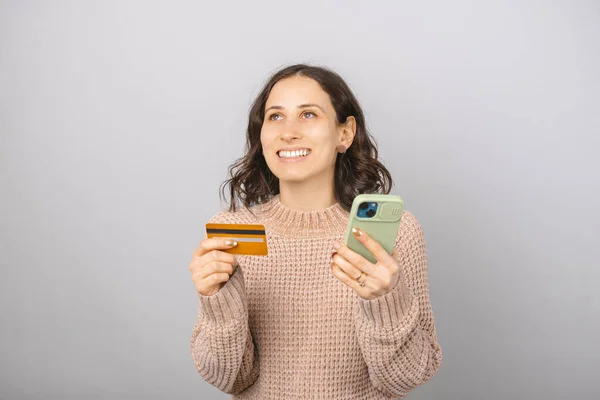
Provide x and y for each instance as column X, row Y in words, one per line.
column 312, row 318
column 311, row 108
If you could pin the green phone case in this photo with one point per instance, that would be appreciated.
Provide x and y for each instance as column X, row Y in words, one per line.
column 383, row 226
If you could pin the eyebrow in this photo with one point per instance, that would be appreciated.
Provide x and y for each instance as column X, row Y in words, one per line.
column 300, row 106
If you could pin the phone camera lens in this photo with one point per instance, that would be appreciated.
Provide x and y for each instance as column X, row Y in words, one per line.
column 371, row 213
column 363, row 206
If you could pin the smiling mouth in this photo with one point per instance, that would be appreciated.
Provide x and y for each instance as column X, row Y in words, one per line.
column 293, row 154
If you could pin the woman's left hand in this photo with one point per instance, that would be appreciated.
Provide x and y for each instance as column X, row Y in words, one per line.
column 353, row 269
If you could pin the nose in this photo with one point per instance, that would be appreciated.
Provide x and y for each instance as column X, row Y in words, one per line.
column 290, row 131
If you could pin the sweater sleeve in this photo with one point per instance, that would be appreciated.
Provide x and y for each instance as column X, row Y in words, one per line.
column 396, row 331
column 221, row 342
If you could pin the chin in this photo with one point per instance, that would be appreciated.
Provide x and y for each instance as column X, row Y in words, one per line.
column 294, row 174
column 287, row 177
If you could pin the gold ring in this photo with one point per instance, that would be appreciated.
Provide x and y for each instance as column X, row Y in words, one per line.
column 363, row 282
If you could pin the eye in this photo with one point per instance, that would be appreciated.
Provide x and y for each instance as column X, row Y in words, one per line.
column 310, row 112
column 272, row 115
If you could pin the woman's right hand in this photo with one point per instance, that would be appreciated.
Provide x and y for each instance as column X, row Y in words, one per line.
column 211, row 267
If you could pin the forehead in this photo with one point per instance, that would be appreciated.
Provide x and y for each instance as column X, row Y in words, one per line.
column 296, row 90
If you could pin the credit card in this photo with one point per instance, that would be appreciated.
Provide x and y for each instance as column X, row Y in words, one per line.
column 251, row 239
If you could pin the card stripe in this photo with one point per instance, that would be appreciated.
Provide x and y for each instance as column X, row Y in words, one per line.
column 244, row 239
column 236, row 231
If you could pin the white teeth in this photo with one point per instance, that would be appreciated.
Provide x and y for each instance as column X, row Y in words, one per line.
column 294, row 154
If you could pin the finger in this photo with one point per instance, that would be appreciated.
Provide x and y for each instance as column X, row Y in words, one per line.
column 356, row 259
column 395, row 254
column 372, row 245
column 216, row 255
column 347, row 280
column 207, row 245
column 347, row 267
column 214, row 267
column 214, row 244
column 211, row 279
column 200, row 264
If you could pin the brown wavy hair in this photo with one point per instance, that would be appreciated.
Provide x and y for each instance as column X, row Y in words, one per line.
column 357, row 171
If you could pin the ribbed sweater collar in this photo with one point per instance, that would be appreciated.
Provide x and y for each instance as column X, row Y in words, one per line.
column 285, row 222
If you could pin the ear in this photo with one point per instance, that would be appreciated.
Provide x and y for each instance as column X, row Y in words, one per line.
column 348, row 130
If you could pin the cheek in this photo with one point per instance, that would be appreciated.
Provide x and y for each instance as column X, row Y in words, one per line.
column 267, row 136
column 266, row 142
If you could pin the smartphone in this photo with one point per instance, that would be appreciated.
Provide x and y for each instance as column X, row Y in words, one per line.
column 379, row 215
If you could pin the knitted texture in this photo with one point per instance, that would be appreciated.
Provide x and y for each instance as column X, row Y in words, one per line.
column 284, row 327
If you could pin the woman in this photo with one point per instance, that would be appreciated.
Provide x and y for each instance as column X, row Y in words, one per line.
column 313, row 319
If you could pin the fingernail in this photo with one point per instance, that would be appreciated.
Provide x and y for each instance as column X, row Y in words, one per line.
column 333, row 254
column 356, row 232
column 231, row 243
column 336, row 245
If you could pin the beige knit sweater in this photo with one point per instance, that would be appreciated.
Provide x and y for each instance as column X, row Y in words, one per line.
column 284, row 327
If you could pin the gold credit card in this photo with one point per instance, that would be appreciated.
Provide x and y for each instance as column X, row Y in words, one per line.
column 251, row 239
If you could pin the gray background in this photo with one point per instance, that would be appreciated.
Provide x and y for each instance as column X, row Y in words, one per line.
column 118, row 120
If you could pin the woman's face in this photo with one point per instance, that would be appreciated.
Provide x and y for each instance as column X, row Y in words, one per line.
column 300, row 116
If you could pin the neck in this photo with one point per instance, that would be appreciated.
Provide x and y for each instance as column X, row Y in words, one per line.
column 307, row 196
